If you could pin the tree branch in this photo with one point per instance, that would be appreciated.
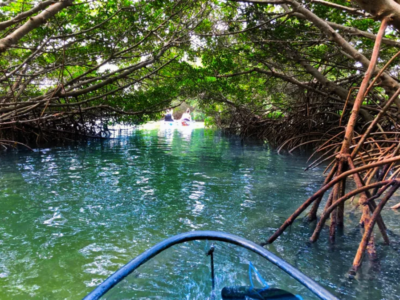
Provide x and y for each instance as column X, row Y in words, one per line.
column 26, row 14
column 32, row 24
column 341, row 7
column 382, row 9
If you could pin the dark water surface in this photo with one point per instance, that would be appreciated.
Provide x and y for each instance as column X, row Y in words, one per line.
column 72, row 216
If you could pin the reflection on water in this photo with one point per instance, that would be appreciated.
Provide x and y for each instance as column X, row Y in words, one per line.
column 72, row 216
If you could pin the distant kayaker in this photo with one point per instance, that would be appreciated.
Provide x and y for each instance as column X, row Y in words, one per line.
column 168, row 116
column 186, row 118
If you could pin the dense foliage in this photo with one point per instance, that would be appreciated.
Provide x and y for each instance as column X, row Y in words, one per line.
column 248, row 64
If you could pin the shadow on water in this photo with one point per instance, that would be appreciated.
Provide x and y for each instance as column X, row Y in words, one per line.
column 72, row 216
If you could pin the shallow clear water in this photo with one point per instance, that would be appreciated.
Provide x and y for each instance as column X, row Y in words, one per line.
column 72, row 216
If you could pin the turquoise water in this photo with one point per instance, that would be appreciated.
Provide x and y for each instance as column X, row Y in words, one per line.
column 72, row 216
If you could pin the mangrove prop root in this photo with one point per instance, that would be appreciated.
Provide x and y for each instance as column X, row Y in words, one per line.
column 349, row 195
column 361, row 92
column 329, row 201
column 312, row 215
column 374, row 123
column 370, row 226
column 364, row 222
column 340, row 212
column 371, row 204
column 322, row 191
column 336, row 195
column 293, row 217
column 375, row 162
column 397, row 206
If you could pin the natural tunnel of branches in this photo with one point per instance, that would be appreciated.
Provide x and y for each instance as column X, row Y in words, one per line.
column 313, row 74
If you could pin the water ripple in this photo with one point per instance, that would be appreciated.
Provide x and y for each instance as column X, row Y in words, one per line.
column 71, row 216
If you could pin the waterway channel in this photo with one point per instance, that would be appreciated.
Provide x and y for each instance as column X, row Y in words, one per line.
column 71, row 216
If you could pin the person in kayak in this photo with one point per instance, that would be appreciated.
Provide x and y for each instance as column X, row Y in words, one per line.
column 186, row 118
column 168, row 116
